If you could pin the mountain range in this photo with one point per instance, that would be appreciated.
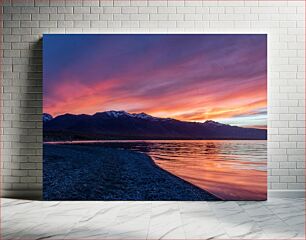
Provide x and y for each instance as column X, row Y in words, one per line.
column 124, row 125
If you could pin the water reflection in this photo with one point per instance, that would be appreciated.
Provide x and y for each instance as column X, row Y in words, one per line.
column 232, row 170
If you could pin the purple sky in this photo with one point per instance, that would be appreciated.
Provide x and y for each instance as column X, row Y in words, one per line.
column 189, row 77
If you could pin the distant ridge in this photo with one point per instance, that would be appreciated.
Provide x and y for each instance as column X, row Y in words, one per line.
column 124, row 125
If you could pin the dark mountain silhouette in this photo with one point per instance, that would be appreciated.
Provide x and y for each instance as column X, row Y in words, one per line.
column 47, row 117
column 123, row 125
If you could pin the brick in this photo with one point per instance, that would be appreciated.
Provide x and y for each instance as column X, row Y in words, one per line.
column 140, row 17
column 19, row 173
column 11, row 24
column 300, row 179
column 74, row 16
column 98, row 24
column 196, row 17
column 112, row 10
column 273, row 179
column 74, row 3
column 130, row 24
column 57, row 17
column 23, row 3
column 229, row 17
column 157, row 3
column 11, row 9
column 176, row 17
column 106, row 17
column 176, row 3
column 63, row 10
column 47, row 24
column 49, row 10
column 288, row 179
column 120, row 17
column 20, row 46
column 287, row 145
column 29, row 24
column 296, row 185
column 21, row 31
column 297, row 124
column 268, row 10
column 10, row 179
column 91, row 3
column 21, row 17
column 113, row 24
column 287, row 165
column 272, row 165
column 91, row 16
column 203, row 10
column 189, row 3
column 291, row 10
column 231, row 3
column 167, row 24
column 242, row 10
column 288, row 131
column 216, row 9
column 96, row 10
column 122, row 3
column 11, row 53
column 296, row 172
column 81, row 9
column 210, row 17
column 222, row 24
column 42, row 3
column 29, row 10
column 166, row 10
column 296, row 151
column 82, row 24
column 28, row 179
column 160, row 17
column 37, row 31
column 138, row 3
column 147, row 9
column 185, row 24
column 129, row 10
column 296, row 158
column 59, row 3
column 296, row 138
column 148, row 24
column 277, row 186
column 106, row 2
column 36, row 173
column 64, row 24
column 186, row 10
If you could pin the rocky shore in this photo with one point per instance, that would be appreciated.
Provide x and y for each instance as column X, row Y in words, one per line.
column 93, row 172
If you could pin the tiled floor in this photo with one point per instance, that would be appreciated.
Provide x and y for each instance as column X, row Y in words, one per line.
column 273, row 219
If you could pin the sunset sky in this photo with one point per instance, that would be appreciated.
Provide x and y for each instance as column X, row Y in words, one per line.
column 187, row 77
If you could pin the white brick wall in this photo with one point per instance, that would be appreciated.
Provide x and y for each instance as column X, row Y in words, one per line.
column 24, row 22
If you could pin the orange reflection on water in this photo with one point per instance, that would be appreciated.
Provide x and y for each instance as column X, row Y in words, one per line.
column 232, row 170
column 229, row 169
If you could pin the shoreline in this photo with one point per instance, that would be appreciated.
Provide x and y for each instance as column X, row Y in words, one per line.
column 88, row 172
column 177, row 177
column 143, row 140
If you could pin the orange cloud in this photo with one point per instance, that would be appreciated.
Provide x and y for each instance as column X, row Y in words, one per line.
column 194, row 104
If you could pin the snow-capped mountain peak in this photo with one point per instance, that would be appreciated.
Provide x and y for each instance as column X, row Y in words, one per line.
column 213, row 123
column 124, row 125
column 116, row 114
column 47, row 117
column 142, row 115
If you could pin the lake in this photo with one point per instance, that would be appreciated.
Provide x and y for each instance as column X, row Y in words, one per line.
column 229, row 169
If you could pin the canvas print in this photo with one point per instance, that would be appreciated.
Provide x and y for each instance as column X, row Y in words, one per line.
column 179, row 117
